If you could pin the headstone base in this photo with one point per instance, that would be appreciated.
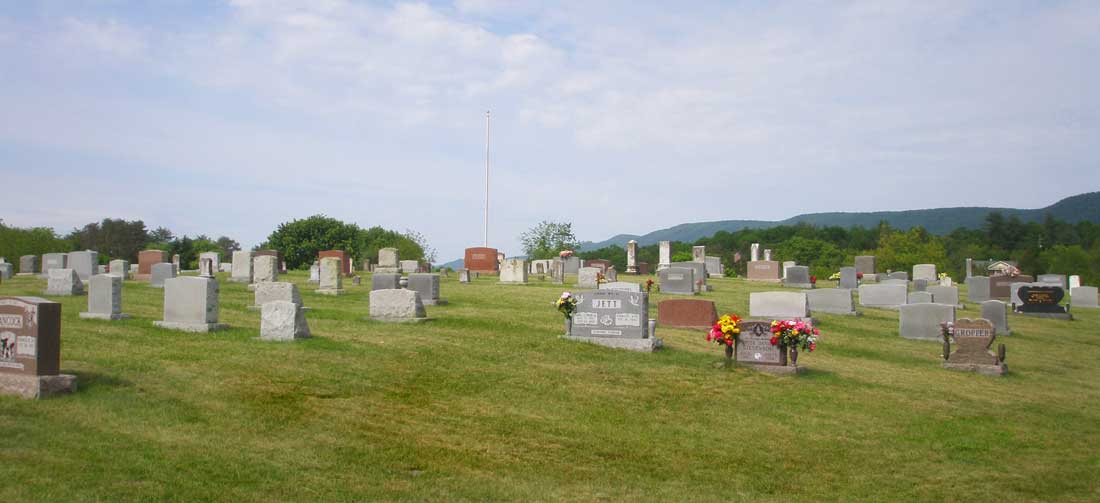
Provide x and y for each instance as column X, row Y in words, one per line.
column 239, row 280
column 632, row 270
column 989, row 370
column 1053, row 316
column 191, row 327
column 804, row 286
column 141, row 277
column 765, row 280
column 775, row 369
column 260, row 308
column 436, row 302
column 398, row 320
column 26, row 273
column 385, row 270
column 35, row 387
column 102, row 316
column 330, row 291
column 647, row 345
column 837, row 312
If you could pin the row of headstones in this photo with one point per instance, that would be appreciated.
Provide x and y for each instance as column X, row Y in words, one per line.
column 712, row 266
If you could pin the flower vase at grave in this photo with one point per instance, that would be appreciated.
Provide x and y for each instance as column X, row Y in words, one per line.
column 729, row 354
column 568, row 325
column 794, row 355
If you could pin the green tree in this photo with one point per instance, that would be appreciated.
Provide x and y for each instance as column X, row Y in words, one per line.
column 16, row 242
column 900, row 251
column 301, row 240
column 545, row 240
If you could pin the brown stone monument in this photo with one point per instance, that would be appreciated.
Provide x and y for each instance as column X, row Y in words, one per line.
column 1000, row 287
column 973, row 338
column 763, row 270
column 30, row 348
column 146, row 259
column 482, row 260
column 686, row 313
column 345, row 261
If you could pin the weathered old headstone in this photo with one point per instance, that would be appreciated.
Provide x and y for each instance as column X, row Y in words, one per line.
column 715, row 269
column 215, row 259
column 105, row 298
column 30, row 348
column 920, row 285
column 779, row 305
column 945, row 295
column 206, row 267
column 798, row 276
column 754, row 348
column 973, row 338
column 997, row 313
column 977, row 289
column 664, row 255
column 621, row 286
column 64, row 282
column 557, row 271
column 1083, row 296
column 427, row 285
column 385, row 281
column 276, row 291
column 613, row 318
column 849, row 278
column 176, row 263
column 572, row 265
column 28, row 264
column 883, row 295
column 926, row 272
column 632, row 257
column 481, row 260
column 161, row 272
column 120, row 268
column 587, row 277
column 677, row 280
column 763, row 270
column 463, row 276
column 699, row 254
column 513, row 271
column 700, row 274
column 279, row 264
column 832, row 301
column 6, row 270
column 686, row 313
column 397, row 306
column 53, row 261
column 84, row 263
column 282, row 321
column 344, row 260
column 1042, row 301
column 922, row 321
column 265, row 269
column 1074, row 281
column 409, row 266
column 242, row 267
column 191, row 305
column 866, row 264
column 921, row 298
column 331, row 277
column 754, row 252
column 315, row 273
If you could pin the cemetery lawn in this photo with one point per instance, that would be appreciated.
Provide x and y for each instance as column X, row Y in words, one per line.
column 486, row 402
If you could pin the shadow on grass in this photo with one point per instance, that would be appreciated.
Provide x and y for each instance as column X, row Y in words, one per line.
column 91, row 381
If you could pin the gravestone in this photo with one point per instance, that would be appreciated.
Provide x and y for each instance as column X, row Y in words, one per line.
column 926, row 272
column 997, row 313
column 344, row 261
column 687, row 313
column 1083, row 296
column 28, row 264
column 977, row 289
column 754, row 252
column 1042, row 301
column 513, row 271
column 1014, row 295
column 161, row 272
column 1000, row 287
column 242, row 267
column 279, row 264
column 632, row 257
column 898, row 275
column 621, row 286
column 700, row 274
column 611, row 274
column 265, row 269
column 901, row 282
column 277, row 291
column 30, row 348
column 664, row 255
column 176, row 263
column 101, row 269
column 754, row 348
column 699, row 254
column 190, row 304
column 614, row 319
column 427, row 285
column 215, row 259
column 779, row 305
column 786, row 264
column 54, row 261
column 798, row 277
column 832, row 301
column 598, row 263
column 866, row 264
column 762, row 270
column 946, row 281
column 282, row 321
column 206, row 267
column 396, row 306
column 920, row 285
column 1074, row 281
column 226, row 267
column 883, row 295
column 848, row 278
column 315, row 273
column 84, row 263
column 572, row 265
column 64, row 282
column 715, row 269
column 463, row 276
column 1054, row 279
column 120, row 268
column 920, row 298
column 366, row 265
column 945, row 295
column 557, row 271
column 973, row 338
column 482, row 260
column 6, row 270
column 331, row 277
column 409, row 266
column 385, row 281
column 922, row 321
column 587, row 277
column 677, row 280
column 105, row 298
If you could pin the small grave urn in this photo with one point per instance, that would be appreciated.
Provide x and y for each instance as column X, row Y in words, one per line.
column 568, row 325
column 793, row 356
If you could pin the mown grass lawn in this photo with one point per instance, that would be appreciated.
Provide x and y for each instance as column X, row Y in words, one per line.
column 485, row 402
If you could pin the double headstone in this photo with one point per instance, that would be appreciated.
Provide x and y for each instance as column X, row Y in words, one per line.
column 923, row 321
column 779, row 305
column 763, row 270
column 64, row 282
column 700, row 274
column 945, row 295
column 621, row 285
column 832, row 301
column 54, row 261
column 1053, row 279
column 798, row 276
column 84, row 263
column 1043, row 300
column 677, row 280
column 687, row 313
column 883, row 295
column 190, row 304
column 513, row 271
column 926, row 272
column 105, row 298
column 920, row 298
column 614, row 319
column 30, row 348
column 477, row 259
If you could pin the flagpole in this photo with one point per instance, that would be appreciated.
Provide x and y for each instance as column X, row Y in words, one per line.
column 486, row 179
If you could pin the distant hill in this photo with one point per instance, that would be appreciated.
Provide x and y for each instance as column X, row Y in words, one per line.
column 1083, row 207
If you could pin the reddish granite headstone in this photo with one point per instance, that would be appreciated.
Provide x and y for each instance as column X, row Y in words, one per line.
column 273, row 253
column 604, row 265
column 686, row 313
column 146, row 259
column 30, row 348
column 643, row 268
column 340, row 254
column 482, row 260
column 764, row 270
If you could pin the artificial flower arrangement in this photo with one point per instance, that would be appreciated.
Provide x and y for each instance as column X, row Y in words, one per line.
column 859, row 275
column 600, row 278
column 813, row 280
column 648, row 286
column 725, row 330
column 941, row 276
column 567, row 304
column 794, row 334
column 835, row 277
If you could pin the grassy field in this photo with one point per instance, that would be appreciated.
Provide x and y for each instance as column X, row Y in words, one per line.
column 486, row 402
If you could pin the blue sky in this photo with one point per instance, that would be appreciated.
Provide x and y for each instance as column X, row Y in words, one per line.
column 621, row 117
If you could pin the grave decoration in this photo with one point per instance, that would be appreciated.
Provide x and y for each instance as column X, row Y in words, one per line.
column 725, row 332
column 649, row 286
column 972, row 339
column 1042, row 301
column 794, row 334
column 567, row 305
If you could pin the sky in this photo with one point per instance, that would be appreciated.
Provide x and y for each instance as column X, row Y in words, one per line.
column 231, row 117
